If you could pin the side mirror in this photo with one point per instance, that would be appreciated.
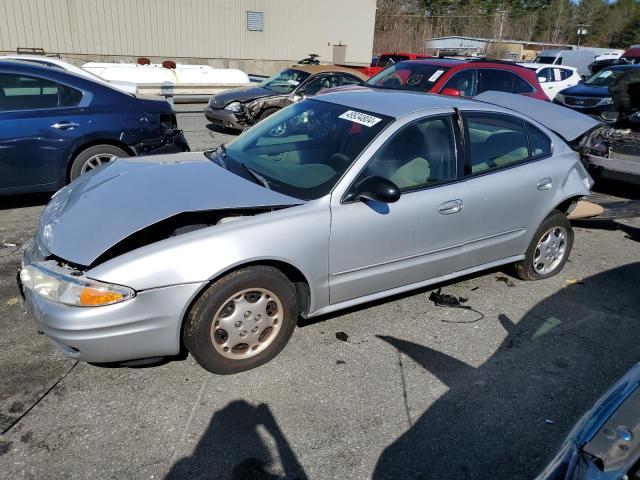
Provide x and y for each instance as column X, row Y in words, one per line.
column 375, row 188
column 451, row 92
column 542, row 79
column 299, row 96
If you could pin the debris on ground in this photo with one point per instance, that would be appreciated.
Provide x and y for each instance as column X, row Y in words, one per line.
column 340, row 362
column 548, row 421
column 9, row 245
column 13, row 301
column 507, row 281
column 343, row 337
column 574, row 281
column 445, row 300
column 549, row 324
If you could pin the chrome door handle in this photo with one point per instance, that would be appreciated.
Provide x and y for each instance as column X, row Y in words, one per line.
column 545, row 184
column 65, row 125
column 452, row 206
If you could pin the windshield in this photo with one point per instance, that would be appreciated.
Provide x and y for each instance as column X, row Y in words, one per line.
column 408, row 76
column 603, row 78
column 285, row 81
column 547, row 60
column 386, row 60
column 303, row 150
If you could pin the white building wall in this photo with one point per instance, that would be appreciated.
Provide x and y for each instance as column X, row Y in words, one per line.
column 206, row 29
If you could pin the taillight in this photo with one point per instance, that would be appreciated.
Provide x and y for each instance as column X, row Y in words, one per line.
column 168, row 121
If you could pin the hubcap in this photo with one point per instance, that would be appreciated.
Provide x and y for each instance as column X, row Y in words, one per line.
column 550, row 250
column 97, row 161
column 246, row 323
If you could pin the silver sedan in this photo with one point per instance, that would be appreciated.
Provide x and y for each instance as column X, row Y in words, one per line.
column 350, row 197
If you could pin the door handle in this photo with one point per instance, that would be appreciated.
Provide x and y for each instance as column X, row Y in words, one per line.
column 545, row 184
column 65, row 125
column 450, row 207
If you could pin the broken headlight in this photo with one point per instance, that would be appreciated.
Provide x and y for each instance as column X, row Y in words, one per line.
column 78, row 292
column 234, row 107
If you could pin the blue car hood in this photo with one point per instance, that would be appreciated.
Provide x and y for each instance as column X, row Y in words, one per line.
column 582, row 90
column 99, row 209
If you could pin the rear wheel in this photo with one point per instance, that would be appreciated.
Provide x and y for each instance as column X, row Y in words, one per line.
column 94, row 157
column 549, row 249
column 242, row 321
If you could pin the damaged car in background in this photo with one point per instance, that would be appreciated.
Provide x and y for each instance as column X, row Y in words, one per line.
column 349, row 197
column 613, row 150
column 240, row 108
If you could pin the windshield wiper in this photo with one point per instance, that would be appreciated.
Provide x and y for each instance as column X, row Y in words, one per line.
column 217, row 155
column 256, row 176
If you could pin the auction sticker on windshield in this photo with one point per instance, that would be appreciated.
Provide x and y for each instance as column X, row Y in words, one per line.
column 436, row 75
column 359, row 117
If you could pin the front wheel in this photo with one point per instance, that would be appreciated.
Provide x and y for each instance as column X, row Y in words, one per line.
column 242, row 320
column 549, row 249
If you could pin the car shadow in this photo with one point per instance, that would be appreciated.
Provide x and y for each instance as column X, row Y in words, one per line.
column 24, row 200
column 633, row 233
column 220, row 129
column 233, row 448
column 503, row 418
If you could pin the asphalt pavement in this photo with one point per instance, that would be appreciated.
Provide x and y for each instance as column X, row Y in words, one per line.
column 395, row 389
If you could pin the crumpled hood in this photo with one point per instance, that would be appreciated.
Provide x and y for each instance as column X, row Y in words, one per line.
column 101, row 208
column 242, row 94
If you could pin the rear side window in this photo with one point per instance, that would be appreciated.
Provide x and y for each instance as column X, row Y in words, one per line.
column 539, row 142
column 564, row 73
column 350, row 80
column 501, row 81
column 495, row 141
column 23, row 92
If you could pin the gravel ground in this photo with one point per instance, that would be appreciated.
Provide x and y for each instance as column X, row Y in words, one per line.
column 415, row 391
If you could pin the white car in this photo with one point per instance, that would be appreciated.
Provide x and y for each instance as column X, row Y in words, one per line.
column 127, row 87
column 554, row 78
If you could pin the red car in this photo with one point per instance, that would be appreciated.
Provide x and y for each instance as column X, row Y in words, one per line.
column 459, row 78
column 387, row 58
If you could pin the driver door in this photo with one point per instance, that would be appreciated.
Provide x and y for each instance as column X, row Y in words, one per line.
column 377, row 246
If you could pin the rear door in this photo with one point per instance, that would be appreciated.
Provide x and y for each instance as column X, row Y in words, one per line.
column 511, row 178
column 39, row 120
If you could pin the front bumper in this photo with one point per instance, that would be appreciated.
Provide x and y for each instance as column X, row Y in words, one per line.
column 147, row 325
column 224, row 118
column 602, row 113
column 173, row 142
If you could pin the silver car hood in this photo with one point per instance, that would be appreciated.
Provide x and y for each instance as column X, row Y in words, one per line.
column 565, row 122
column 99, row 209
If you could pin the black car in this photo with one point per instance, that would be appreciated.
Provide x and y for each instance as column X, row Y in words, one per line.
column 242, row 107
column 592, row 96
column 55, row 126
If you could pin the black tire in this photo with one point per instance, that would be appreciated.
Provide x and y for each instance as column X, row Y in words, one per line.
column 525, row 269
column 198, row 324
column 267, row 112
column 85, row 155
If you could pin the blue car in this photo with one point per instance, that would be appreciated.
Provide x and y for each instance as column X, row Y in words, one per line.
column 55, row 126
column 592, row 96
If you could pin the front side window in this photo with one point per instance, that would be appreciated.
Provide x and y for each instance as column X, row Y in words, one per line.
column 501, row 81
column 304, row 149
column 495, row 141
column 546, row 74
column 414, row 76
column 464, row 81
column 285, row 81
column 23, row 92
column 421, row 154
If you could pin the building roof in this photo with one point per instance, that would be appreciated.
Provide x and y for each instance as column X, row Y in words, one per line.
column 495, row 40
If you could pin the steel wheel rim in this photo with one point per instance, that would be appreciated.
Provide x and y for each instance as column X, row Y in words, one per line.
column 550, row 250
column 246, row 323
column 97, row 161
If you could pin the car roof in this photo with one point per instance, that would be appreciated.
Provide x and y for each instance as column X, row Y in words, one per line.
column 394, row 103
column 440, row 62
column 22, row 64
column 313, row 69
column 630, row 66
column 532, row 65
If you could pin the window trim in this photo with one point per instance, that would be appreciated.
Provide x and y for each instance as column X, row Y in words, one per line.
column 467, row 140
column 84, row 102
column 458, row 152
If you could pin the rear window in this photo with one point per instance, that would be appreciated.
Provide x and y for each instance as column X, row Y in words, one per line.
column 386, row 60
column 408, row 76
